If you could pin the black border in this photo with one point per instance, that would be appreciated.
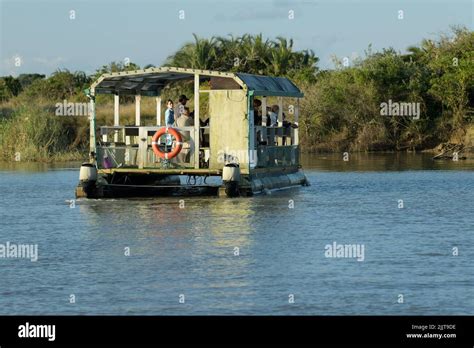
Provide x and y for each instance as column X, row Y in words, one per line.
column 225, row 330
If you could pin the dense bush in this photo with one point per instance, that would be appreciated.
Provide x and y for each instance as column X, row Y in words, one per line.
column 340, row 110
column 438, row 75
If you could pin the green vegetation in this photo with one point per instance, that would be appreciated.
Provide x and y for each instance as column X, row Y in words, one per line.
column 250, row 54
column 341, row 110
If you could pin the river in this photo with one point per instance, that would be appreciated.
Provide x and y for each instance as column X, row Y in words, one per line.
column 411, row 218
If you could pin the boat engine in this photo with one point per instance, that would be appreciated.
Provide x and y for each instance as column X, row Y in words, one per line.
column 87, row 179
column 231, row 179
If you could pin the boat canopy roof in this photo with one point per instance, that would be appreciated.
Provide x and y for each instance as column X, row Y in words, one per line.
column 150, row 82
column 270, row 86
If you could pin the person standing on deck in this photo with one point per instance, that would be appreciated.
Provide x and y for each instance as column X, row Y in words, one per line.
column 257, row 112
column 169, row 114
column 169, row 120
column 181, row 105
column 272, row 119
column 185, row 120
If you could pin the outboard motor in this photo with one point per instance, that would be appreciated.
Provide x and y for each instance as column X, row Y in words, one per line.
column 231, row 179
column 88, row 178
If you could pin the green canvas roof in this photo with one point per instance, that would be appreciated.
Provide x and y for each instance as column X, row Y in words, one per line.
column 151, row 81
column 270, row 86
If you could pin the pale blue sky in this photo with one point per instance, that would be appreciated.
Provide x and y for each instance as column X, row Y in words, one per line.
column 43, row 35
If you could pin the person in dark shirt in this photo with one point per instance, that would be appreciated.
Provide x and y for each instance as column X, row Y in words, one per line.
column 257, row 113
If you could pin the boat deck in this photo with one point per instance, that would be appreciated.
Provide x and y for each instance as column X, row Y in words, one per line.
column 171, row 171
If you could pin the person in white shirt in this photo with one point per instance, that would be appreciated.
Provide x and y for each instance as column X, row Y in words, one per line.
column 185, row 120
column 182, row 100
column 273, row 116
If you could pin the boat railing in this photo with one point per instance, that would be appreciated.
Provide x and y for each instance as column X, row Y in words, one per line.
column 275, row 136
column 131, row 147
column 276, row 147
column 277, row 156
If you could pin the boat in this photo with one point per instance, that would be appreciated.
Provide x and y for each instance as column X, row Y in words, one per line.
column 235, row 153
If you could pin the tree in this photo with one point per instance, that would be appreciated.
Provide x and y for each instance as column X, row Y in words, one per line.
column 281, row 56
column 27, row 79
column 247, row 53
column 452, row 82
column 115, row 67
column 9, row 87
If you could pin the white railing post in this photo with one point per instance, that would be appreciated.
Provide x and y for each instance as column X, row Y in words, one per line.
column 280, row 130
column 263, row 132
column 297, row 116
column 196, row 121
column 158, row 111
column 116, row 116
column 92, row 125
column 280, row 111
column 137, row 110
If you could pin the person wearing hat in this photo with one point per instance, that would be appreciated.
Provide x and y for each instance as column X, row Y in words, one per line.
column 181, row 105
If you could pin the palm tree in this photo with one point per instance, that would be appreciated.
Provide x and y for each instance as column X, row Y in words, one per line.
column 204, row 53
column 199, row 54
column 247, row 53
column 228, row 55
column 281, row 56
column 257, row 53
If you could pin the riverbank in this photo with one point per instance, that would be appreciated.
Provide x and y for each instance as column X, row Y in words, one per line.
column 384, row 101
column 81, row 156
column 33, row 133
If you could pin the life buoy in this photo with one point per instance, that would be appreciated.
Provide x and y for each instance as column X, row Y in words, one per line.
column 178, row 142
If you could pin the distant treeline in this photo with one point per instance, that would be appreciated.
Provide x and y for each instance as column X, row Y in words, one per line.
column 341, row 110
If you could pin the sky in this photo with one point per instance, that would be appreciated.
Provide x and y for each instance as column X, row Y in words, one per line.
column 38, row 36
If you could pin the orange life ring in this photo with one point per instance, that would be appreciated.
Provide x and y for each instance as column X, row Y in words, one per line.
column 178, row 142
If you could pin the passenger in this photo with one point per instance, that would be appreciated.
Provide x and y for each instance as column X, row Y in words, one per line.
column 204, row 133
column 185, row 120
column 272, row 116
column 288, row 124
column 169, row 114
column 182, row 100
column 169, row 120
column 285, row 124
column 204, row 123
column 257, row 114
